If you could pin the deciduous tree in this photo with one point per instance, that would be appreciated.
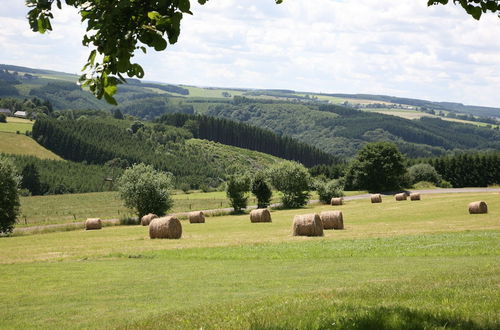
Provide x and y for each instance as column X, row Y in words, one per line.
column 9, row 197
column 146, row 190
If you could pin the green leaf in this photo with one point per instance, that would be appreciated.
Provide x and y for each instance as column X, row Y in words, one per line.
column 159, row 43
column 184, row 6
column 154, row 15
column 110, row 99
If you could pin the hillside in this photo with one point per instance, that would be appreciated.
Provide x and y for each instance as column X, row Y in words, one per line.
column 192, row 161
column 322, row 121
column 342, row 131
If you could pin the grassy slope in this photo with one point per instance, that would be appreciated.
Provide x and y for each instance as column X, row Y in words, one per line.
column 16, row 124
column 20, row 144
column 416, row 114
column 426, row 264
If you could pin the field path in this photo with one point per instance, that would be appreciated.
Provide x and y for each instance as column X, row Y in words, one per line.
column 79, row 225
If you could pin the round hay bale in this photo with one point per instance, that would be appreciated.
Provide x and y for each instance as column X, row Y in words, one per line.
column 401, row 197
column 260, row 215
column 196, row 217
column 165, row 227
column 337, row 201
column 478, row 207
column 376, row 198
column 146, row 220
column 93, row 223
column 307, row 225
column 332, row 219
column 414, row 196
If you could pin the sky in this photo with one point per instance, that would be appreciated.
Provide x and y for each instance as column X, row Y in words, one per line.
column 399, row 48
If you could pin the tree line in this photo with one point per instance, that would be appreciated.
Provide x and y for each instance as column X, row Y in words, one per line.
column 245, row 136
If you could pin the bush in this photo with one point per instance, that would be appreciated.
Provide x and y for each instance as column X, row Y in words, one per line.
column 9, row 196
column 236, row 190
column 293, row 180
column 445, row 184
column 377, row 167
column 129, row 221
column 3, row 118
column 328, row 190
column 261, row 190
column 185, row 187
column 424, row 172
column 145, row 190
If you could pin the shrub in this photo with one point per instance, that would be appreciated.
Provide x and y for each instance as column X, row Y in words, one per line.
column 293, row 180
column 129, row 221
column 445, row 184
column 185, row 187
column 328, row 190
column 424, row 172
column 236, row 190
column 261, row 190
column 146, row 190
column 9, row 197
column 3, row 118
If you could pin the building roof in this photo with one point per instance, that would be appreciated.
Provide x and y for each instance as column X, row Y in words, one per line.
column 2, row 110
column 20, row 113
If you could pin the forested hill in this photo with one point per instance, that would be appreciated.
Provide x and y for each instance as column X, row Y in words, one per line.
column 249, row 137
column 342, row 131
column 192, row 161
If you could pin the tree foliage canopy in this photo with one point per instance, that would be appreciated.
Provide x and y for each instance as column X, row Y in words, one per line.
column 377, row 167
column 236, row 190
column 293, row 180
column 146, row 190
column 475, row 8
column 9, row 197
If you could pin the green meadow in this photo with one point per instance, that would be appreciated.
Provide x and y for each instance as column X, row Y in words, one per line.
column 14, row 125
column 20, row 144
column 416, row 265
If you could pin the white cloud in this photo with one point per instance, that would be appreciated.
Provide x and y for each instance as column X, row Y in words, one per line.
column 402, row 48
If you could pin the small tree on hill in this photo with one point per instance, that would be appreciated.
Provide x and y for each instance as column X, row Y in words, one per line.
column 377, row 167
column 117, row 114
column 146, row 190
column 31, row 179
column 236, row 190
column 9, row 197
column 293, row 180
column 261, row 189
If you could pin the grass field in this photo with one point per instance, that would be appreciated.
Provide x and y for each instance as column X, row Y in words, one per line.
column 14, row 125
column 20, row 144
column 417, row 265
column 57, row 209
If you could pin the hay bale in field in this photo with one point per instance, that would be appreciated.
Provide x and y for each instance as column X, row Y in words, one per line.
column 401, row 197
column 307, row 225
column 478, row 207
column 337, row 201
column 332, row 219
column 376, row 198
column 196, row 217
column 165, row 227
column 93, row 223
column 414, row 196
column 260, row 215
column 146, row 220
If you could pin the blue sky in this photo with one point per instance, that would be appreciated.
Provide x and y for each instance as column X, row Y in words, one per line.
column 401, row 48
